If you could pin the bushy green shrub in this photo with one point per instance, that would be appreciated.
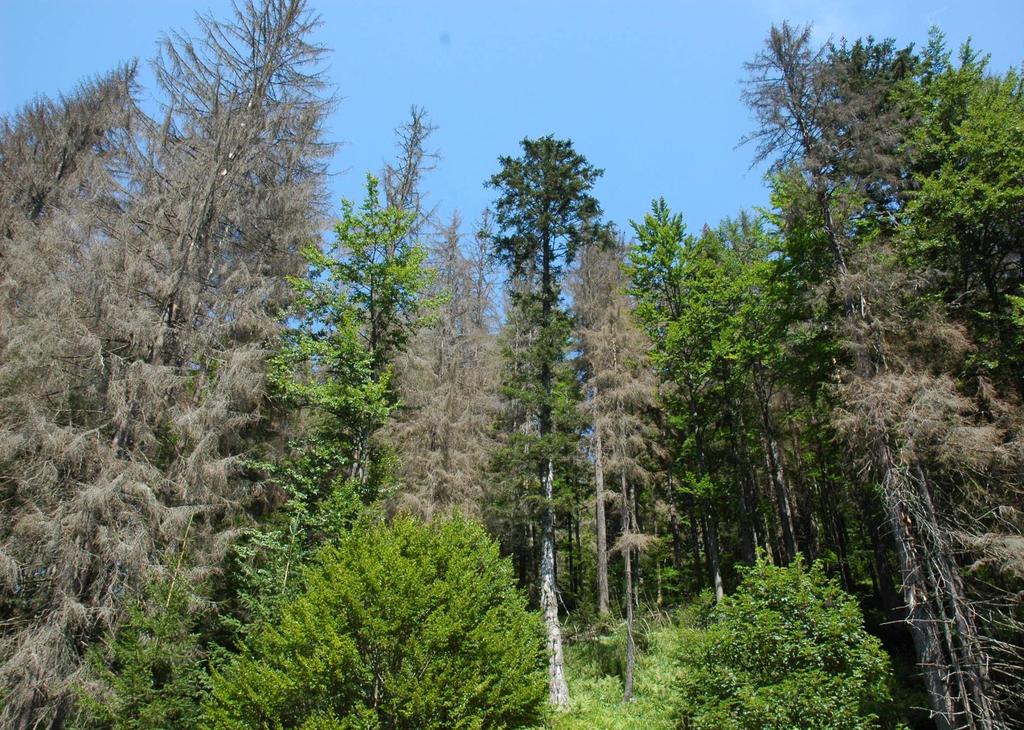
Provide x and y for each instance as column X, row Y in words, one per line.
column 787, row 650
column 400, row 626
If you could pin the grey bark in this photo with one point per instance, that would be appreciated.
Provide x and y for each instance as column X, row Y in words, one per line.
column 601, row 525
column 714, row 553
column 627, row 521
column 558, row 689
column 773, row 461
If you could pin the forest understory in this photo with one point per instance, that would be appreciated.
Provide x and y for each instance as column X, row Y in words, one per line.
column 537, row 470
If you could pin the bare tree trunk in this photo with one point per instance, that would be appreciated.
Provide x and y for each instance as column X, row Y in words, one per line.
column 677, row 537
column 773, row 460
column 602, row 528
column 627, row 520
column 569, row 601
column 710, row 527
column 714, row 554
column 941, row 621
column 842, row 547
column 558, row 689
column 577, row 522
column 698, row 573
column 748, row 498
column 634, row 528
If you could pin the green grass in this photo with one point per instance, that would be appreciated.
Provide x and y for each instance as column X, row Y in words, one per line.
column 594, row 668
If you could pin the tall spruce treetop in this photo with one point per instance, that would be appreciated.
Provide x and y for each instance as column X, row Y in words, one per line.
column 545, row 212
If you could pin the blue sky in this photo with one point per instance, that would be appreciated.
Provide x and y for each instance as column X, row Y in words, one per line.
column 649, row 91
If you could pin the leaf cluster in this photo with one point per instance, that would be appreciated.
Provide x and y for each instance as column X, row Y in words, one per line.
column 787, row 649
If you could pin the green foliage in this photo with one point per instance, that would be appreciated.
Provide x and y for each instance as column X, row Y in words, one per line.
column 545, row 211
column 689, row 293
column 375, row 270
column 964, row 217
column 152, row 674
column 787, row 649
column 400, row 626
column 359, row 303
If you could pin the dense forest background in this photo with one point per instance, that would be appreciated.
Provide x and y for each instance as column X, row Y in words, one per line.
column 401, row 476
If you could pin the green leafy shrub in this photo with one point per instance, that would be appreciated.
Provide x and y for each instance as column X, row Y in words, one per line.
column 400, row 626
column 787, row 650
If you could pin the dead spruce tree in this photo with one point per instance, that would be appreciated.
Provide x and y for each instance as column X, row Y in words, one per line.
column 133, row 369
column 60, row 160
column 446, row 379
column 402, row 177
column 621, row 397
column 593, row 285
column 448, row 385
column 829, row 124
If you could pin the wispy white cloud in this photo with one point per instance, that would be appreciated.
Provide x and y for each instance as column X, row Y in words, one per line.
column 832, row 19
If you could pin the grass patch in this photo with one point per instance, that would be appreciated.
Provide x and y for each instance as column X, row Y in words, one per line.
column 594, row 669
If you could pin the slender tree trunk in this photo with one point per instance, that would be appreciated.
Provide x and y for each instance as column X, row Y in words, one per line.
column 659, row 599
column 842, row 546
column 673, row 523
column 602, row 528
column 748, row 514
column 882, row 570
column 710, row 526
column 570, row 559
column 521, row 553
column 677, row 537
column 698, row 571
column 714, row 555
column 748, row 490
column 558, row 689
column 577, row 519
column 627, row 519
column 748, row 502
column 773, row 460
column 634, row 528
column 832, row 507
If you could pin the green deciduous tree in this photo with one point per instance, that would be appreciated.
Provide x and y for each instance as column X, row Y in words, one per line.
column 963, row 220
column 686, row 299
column 357, row 306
